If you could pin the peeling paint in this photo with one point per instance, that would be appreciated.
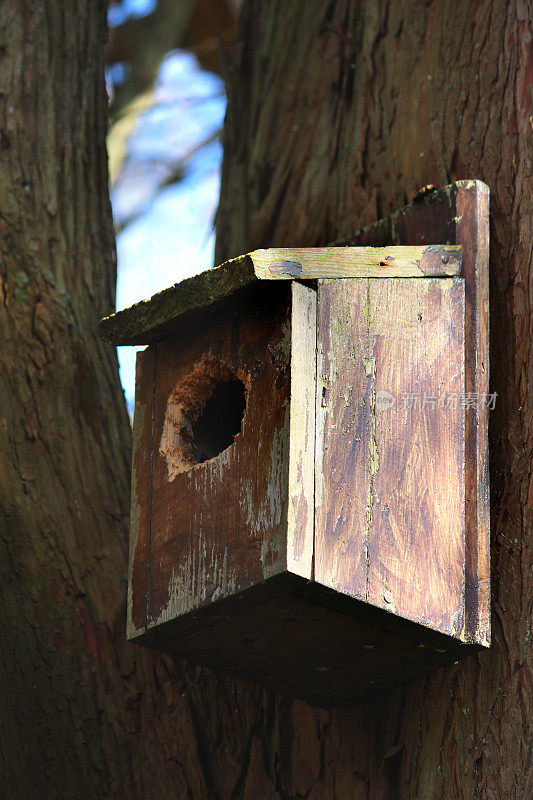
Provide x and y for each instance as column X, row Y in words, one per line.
column 292, row 268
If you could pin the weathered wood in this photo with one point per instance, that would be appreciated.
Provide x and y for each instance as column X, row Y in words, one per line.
column 472, row 205
column 298, row 638
column 152, row 319
column 357, row 262
column 220, row 526
column 459, row 213
column 390, row 478
column 141, row 487
column 301, row 489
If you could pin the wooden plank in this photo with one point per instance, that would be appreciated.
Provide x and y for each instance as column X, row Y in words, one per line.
column 459, row 214
column 472, row 206
column 141, row 483
column 153, row 319
column 390, row 507
column 343, row 423
column 219, row 526
column 294, row 636
column 357, row 262
column 416, row 554
column 301, row 499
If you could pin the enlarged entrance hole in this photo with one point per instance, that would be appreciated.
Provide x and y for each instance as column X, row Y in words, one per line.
column 219, row 421
column 204, row 415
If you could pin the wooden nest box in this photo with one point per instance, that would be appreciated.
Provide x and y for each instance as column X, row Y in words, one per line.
column 309, row 484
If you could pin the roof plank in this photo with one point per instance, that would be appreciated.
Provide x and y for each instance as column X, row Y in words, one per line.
column 145, row 321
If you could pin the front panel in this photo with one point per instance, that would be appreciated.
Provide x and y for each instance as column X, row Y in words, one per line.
column 390, row 452
column 212, row 492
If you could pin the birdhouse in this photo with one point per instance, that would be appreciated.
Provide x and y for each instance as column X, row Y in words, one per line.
column 309, row 499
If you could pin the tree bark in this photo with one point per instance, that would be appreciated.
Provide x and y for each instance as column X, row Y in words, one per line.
column 83, row 714
column 338, row 113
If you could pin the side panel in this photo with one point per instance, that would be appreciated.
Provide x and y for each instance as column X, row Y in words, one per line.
column 300, row 529
column 390, row 446
column 472, row 206
column 220, row 526
column 141, row 482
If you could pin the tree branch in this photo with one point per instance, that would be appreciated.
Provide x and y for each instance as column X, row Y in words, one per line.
column 143, row 43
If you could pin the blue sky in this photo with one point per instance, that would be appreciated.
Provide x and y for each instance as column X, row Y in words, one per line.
column 118, row 12
column 169, row 235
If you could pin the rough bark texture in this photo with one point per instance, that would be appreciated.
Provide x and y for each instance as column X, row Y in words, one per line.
column 83, row 714
column 339, row 112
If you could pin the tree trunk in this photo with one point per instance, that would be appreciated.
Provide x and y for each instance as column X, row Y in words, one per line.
column 83, row 714
column 338, row 113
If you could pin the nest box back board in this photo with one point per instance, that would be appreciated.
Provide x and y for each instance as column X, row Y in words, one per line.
column 309, row 492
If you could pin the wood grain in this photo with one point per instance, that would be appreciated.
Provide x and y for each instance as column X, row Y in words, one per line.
column 460, row 213
column 153, row 319
column 357, row 262
column 417, row 514
column 141, row 487
column 301, row 489
column 390, row 464
column 220, row 526
column 473, row 230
